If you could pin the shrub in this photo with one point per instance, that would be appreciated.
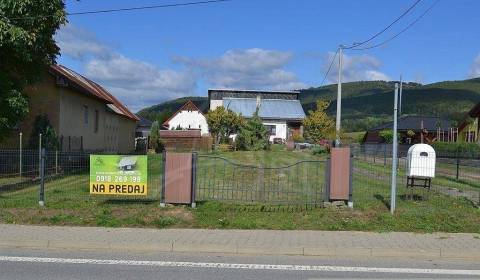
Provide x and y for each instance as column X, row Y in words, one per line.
column 460, row 149
column 319, row 150
column 225, row 147
column 298, row 138
column 253, row 135
column 387, row 135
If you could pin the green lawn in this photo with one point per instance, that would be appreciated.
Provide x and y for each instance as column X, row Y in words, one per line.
column 69, row 203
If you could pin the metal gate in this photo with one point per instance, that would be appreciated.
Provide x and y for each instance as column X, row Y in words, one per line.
column 220, row 179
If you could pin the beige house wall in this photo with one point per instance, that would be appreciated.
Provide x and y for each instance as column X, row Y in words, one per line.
column 65, row 109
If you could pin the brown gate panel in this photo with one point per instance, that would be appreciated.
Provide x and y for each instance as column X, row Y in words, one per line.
column 178, row 178
column 340, row 174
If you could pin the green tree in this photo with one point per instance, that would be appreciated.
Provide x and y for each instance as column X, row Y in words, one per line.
column 222, row 123
column 387, row 135
column 155, row 141
column 42, row 126
column 318, row 125
column 253, row 135
column 27, row 46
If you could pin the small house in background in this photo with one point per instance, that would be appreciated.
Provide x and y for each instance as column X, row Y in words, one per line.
column 411, row 129
column 281, row 111
column 143, row 127
column 470, row 128
column 187, row 117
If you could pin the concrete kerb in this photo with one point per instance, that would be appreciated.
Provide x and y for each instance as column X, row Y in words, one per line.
column 244, row 250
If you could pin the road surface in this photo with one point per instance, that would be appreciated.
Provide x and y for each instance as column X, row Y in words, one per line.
column 74, row 264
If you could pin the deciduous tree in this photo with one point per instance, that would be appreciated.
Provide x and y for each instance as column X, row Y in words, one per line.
column 318, row 125
column 27, row 47
column 222, row 123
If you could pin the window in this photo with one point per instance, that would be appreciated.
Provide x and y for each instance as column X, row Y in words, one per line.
column 95, row 127
column 85, row 115
column 271, row 129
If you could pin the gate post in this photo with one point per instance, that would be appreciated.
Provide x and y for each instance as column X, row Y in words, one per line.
column 194, row 178
column 162, row 187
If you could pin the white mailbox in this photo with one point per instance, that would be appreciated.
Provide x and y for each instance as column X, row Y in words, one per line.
column 421, row 161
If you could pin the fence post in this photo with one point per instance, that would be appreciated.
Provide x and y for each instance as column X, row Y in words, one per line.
column 194, row 178
column 41, row 200
column 384, row 154
column 20, row 164
column 326, row 197
column 56, row 161
column 39, row 153
column 162, row 188
column 458, row 167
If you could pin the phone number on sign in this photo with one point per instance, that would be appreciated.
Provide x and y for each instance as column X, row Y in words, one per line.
column 119, row 179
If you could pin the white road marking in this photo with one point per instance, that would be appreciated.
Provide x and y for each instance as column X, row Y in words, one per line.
column 244, row 266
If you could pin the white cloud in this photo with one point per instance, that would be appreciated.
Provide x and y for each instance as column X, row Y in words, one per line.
column 246, row 69
column 79, row 43
column 475, row 68
column 137, row 83
column 355, row 68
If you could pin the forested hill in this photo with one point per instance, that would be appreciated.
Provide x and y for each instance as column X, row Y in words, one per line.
column 369, row 103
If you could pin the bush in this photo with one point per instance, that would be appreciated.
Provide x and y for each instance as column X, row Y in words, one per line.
column 319, row 150
column 225, row 147
column 298, row 138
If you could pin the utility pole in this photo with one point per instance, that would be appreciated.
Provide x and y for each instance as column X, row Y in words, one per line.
column 394, row 154
column 339, row 96
column 400, row 97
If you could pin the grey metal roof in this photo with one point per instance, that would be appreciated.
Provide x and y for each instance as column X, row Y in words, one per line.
column 269, row 108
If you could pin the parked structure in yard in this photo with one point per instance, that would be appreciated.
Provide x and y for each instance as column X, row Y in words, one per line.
column 430, row 128
column 280, row 111
column 188, row 117
column 470, row 128
column 84, row 115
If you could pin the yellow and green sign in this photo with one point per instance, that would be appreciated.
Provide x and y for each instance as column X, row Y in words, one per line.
column 118, row 175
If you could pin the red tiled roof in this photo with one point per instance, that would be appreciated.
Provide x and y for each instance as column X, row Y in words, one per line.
column 188, row 106
column 94, row 89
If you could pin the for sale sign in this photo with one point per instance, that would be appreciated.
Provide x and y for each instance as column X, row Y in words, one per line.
column 118, row 175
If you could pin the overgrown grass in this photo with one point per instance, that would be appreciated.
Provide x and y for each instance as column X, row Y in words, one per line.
column 69, row 203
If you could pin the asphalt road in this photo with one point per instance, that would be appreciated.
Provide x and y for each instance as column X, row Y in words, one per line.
column 67, row 264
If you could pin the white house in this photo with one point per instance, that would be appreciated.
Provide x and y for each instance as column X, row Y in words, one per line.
column 280, row 111
column 188, row 117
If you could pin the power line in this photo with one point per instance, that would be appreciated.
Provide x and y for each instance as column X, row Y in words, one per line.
column 131, row 9
column 386, row 28
column 329, row 68
column 402, row 31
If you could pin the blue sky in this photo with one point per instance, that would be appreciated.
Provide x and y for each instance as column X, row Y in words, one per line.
column 147, row 57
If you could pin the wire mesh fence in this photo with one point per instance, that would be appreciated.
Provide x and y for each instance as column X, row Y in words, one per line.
column 456, row 180
column 220, row 179
column 66, row 178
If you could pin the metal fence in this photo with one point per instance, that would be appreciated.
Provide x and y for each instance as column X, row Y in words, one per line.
column 66, row 178
column 455, row 177
column 218, row 178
